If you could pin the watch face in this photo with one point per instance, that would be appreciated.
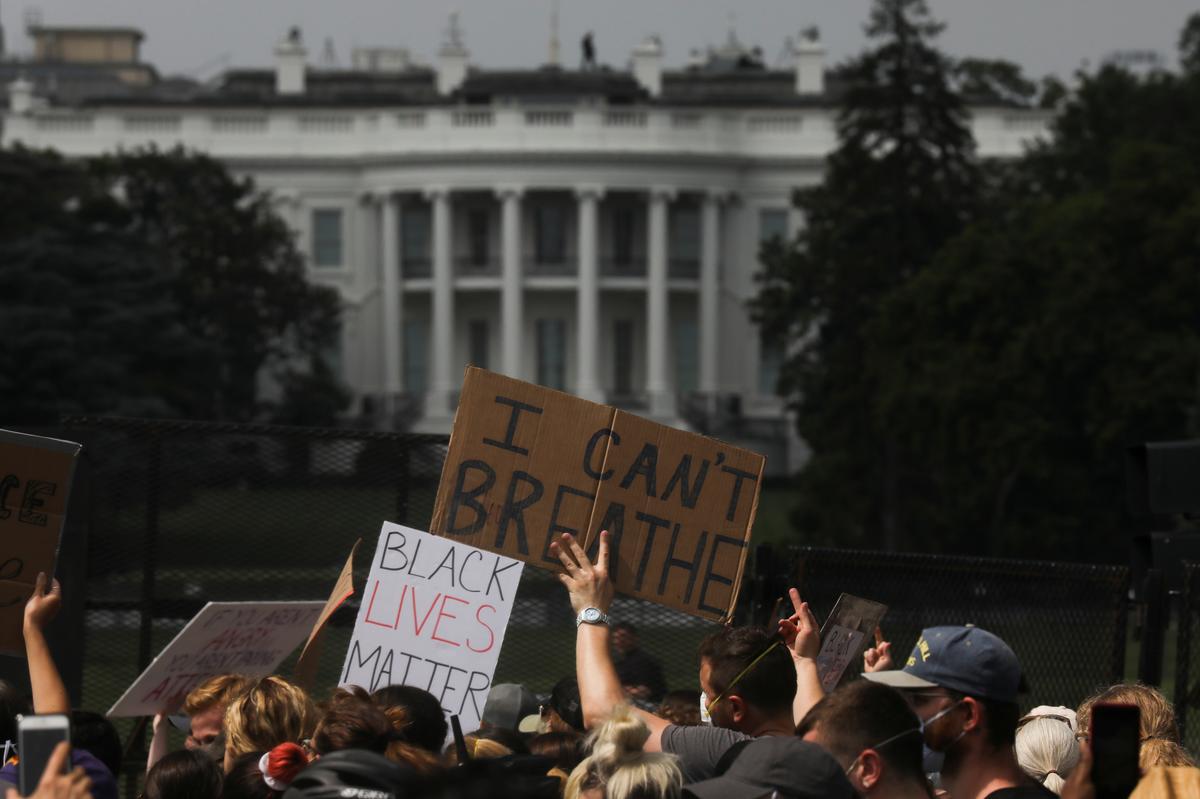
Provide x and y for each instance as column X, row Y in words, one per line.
column 591, row 614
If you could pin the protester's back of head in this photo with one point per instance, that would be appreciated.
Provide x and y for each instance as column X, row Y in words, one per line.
column 96, row 734
column 564, row 749
column 186, row 774
column 245, row 779
column 769, row 685
column 217, row 691
column 350, row 720
column 13, row 703
column 1159, row 729
column 1047, row 750
column 618, row 765
column 865, row 715
column 415, row 714
column 272, row 711
column 681, row 707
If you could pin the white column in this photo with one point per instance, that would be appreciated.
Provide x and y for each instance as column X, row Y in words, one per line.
column 710, row 248
column 443, row 383
column 392, row 305
column 512, row 289
column 587, row 338
column 658, row 365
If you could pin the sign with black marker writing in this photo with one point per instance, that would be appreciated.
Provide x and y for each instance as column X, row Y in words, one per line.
column 527, row 464
column 250, row 638
column 433, row 615
column 35, row 484
column 845, row 636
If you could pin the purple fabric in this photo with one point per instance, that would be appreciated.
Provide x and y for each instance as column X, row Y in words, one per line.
column 104, row 785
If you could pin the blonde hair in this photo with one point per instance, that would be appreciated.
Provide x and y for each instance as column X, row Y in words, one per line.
column 1158, row 728
column 619, row 765
column 477, row 749
column 216, row 691
column 271, row 712
column 1047, row 751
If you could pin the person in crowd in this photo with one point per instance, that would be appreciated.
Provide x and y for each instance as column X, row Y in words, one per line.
column 1159, row 730
column 563, row 711
column 96, row 734
column 874, row 735
column 1046, row 747
column 49, row 693
column 755, row 682
column 13, row 703
column 618, row 768
column 272, row 711
column 350, row 720
column 186, row 774
column 564, row 749
column 963, row 684
column 416, row 715
column 508, row 705
column 640, row 674
column 478, row 748
column 246, row 778
column 203, row 718
column 775, row 766
column 55, row 784
column 681, row 707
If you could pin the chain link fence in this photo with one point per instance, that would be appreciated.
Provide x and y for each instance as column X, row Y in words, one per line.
column 1065, row 621
column 1187, row 653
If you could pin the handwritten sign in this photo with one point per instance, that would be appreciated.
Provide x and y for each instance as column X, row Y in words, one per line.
column 433, row 615
column 343, row 589
column 526, row 464
column 35, row 483
column 250, row 638
column 844, row 636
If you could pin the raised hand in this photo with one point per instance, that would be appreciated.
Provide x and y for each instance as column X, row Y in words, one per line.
column 800, row 631
column 43, row 605
column 587, row 583
column 878, row 657
column 56, row 785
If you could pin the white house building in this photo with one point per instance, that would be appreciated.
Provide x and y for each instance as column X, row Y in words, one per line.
column 594, row 230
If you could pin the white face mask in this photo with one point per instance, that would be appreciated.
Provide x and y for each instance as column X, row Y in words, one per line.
column 704, row 717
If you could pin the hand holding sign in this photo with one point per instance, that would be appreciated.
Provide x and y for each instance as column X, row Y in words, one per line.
column 587, row 583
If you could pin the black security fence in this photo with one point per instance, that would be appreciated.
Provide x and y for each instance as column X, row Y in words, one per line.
column 1187, row 658
column 1065, row 621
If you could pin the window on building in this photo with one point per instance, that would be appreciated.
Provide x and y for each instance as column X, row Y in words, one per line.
column 550, row 234
column 416, row 356
column 623, row 225
column 477, row 236
column 687, row 356
column 552, row 353
column 770, row 361
column 416, row 233
column 623, row 357
column 685, row 234
column 327, row 237
column 772, row 222
column 478, row 341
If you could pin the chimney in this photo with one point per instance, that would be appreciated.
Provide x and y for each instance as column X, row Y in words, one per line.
column 452, row 58
column 810, row 62
column 290, row 66
column 20, row 96
column 647, row 65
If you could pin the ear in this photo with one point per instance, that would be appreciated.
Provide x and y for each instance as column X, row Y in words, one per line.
column 737, row 707
column 871, row 768
column 974, row 713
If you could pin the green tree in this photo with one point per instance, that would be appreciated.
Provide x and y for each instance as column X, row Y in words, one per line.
column 1058, row 330
column 901, row 183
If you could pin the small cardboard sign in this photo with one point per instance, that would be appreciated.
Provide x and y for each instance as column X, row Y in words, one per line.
column 433, row 615
column 250, row 638
column 35, row 484
column 844, row 636
column 343, row 589
column 527, row 464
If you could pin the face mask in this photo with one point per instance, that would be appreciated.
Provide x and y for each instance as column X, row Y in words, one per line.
column 704, row 717
column 932, row 758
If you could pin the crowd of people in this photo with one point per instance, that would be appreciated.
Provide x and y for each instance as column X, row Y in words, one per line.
column 946, row 723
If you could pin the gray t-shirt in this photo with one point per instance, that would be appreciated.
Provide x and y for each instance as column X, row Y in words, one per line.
column 699, row 749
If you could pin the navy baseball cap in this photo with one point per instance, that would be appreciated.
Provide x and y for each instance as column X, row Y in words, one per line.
column 968, row 660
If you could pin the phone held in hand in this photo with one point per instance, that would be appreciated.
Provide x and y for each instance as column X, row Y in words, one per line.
column 36, row 738
column 1116, row 742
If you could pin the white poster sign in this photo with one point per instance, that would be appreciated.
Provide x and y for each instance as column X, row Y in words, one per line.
column 250, row 638
column 433, row 615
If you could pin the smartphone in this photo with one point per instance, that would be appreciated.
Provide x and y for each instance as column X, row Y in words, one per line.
column 1116, row 741
column 36, row 738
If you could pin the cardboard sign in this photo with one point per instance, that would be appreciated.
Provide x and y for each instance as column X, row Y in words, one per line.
column 343, row 589
column 250, row 638
column 844, row 636
column 526, row 464
column 433, row 615
column 35, row 484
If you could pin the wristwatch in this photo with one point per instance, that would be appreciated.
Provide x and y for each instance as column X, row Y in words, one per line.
column 591, row 616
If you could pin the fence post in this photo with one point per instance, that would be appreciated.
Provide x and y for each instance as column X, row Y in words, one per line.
column 1153, row 628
